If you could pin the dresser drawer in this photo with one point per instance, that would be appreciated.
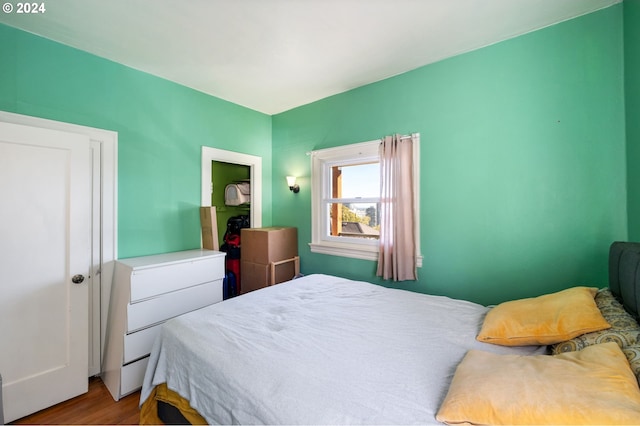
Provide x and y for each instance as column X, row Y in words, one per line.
column 132, row 376
column 146, row 283
column 139, row 344
column 161, row 308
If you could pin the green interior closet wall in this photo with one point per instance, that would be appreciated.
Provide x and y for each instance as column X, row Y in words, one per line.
column 632, row 96
column 161, row 127
column 522, row 161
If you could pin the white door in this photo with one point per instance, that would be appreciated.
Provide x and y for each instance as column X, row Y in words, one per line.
column 45, row 240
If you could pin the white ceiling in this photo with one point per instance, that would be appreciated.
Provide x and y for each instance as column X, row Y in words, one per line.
column 274, row 55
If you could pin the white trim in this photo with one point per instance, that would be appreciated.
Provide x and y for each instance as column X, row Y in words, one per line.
column 348, row 151
column 255, row 163
column 321, row 163
column 345, row 250
column 95, row 297
column 107, row 199
column 416, row 196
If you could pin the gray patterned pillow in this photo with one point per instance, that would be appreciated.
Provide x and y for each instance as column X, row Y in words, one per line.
column 633, row 355
column 625, row 331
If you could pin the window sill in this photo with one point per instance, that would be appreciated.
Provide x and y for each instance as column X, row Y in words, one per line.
column 353, row 251
column 344, row 250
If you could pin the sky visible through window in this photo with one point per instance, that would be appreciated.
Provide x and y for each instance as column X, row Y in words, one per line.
column 362, row 180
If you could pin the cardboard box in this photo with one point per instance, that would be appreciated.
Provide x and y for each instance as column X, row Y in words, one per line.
column 258, row 275
column 209, row 225
column 284, row 270
column 254, row 276
column 266, row 245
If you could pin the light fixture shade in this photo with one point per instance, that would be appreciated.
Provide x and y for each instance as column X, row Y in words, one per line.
column 291, row 181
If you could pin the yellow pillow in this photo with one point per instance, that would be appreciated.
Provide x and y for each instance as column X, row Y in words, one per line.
column 592, row 386
column 543, row 320
column 625, row 330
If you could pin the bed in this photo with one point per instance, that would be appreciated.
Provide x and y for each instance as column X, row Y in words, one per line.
column 326, row 350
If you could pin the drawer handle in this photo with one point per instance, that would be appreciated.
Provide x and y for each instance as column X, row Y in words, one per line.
column 77, row 279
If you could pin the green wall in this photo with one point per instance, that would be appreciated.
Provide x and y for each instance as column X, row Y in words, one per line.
column 522, row 161
column 161, row 127
column 523, row 157
column 632, row 96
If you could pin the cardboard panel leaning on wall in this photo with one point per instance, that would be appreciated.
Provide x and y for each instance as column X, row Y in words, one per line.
column 209, row 225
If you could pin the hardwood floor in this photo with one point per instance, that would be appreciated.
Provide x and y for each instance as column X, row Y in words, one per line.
column 96, row 407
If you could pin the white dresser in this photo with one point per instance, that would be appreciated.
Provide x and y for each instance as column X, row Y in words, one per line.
column 146, row 292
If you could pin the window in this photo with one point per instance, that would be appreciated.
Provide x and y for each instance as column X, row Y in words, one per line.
column 352, row 202
column 345, row 200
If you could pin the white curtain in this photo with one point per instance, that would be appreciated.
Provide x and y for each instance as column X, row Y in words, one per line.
column 397, row 258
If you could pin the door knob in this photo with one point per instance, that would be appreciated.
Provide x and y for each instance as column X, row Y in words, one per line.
column 77, row 279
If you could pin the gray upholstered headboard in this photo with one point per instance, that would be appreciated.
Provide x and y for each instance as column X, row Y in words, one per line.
column 624, row 275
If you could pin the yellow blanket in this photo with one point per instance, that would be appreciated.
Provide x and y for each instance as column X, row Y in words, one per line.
column 149, row 409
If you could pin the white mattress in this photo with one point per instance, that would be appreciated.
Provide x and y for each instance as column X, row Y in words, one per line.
column 319, row 350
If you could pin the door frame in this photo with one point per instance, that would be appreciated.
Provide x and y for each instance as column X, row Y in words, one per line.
column 255, row 165
column 104, row 147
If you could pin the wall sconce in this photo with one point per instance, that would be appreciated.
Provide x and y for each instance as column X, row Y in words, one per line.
column 291, row 181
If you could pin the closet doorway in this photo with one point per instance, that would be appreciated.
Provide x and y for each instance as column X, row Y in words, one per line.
column 223, row 174
column 217, row 163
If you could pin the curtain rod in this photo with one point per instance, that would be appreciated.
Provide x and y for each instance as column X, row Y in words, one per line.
column 403, row 137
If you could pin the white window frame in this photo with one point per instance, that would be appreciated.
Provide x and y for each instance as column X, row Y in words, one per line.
column 321, row 163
